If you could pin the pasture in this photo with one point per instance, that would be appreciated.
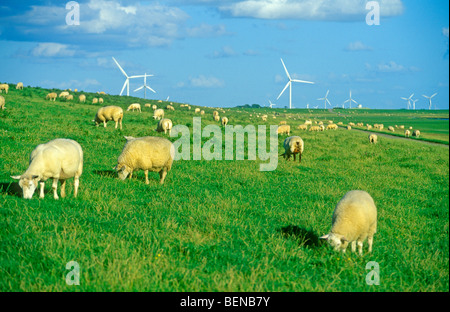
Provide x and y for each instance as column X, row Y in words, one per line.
column 222, row 225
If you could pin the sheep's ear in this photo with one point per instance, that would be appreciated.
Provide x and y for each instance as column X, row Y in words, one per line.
column 325, row 236
column 34, row 177
column 128, row 138
column 343, row 239
column 16, row 177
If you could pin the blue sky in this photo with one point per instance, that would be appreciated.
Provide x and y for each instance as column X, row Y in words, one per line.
column 227, row 53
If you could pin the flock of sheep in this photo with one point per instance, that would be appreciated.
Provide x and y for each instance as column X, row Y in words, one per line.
column 354, row 219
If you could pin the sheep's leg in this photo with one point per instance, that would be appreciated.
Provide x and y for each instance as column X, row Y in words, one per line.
column 360, row 247
column 162, row 175
column 131, row 174
column 104, row 123
column 294, row 156
column 76, row 183
column 146, row 177
column 63, row 188
column 41, row 194
column 300, row 157
column 353, row 246
column 116, row 124
column 54, row 188
column 370, row 241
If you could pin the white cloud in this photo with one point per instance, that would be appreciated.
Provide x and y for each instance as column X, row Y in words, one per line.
column 206, row 82
column 206, row 30
column 445, row 31
column 391, row 67
column 341, row 10
column 357, row 46
column 225, row 51
column 51, row 49
column 87, row 84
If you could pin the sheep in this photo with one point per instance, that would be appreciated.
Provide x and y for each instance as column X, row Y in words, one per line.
column 314, row 128
column 69, row 97
column 100, row 100
column 63, row 94
column 164, row 125
column 94, row 101
column 4, row 86
column 19, row 86
column 308, row 122
column 322, row 128
column 407, row 133
column 390, row 128
column 170, row 107
column 360, row 124
column 224, row 121
column 332, row 127
column 107, row 113
column 202, row 112
column 59, row 159
column 158, row 114
column 351, row 124
column 82, row 98
column 302, row 127
column 369, row 127
column 349, row 127
column 215, row 113
column 2, row 102
column 416, row 133
column 216, row 117
column 154, row 107
column 135, row 106
column 51, row 96
column 283, row 122
column 293, row 145
column 284, row 129
column 197, row 110
column 145, row 153
column 264, row 117
column 373, row 138
column 354, row 220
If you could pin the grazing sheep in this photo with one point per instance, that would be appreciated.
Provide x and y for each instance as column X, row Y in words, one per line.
column 216, row 118
column 360, row 124
column 158, row 114
column 215, row 113
column 63, row 94
column 340, row 123
column 369, row 127
column 308, row 122
column 4, row 86
column 354, row 220
column 69, row 97
column 197, row 110
column 302, row 127
column 416, row 133
column 224, row 121
column 283, row 122
column 314, row 128
column 407, row 133
column 264, row 117
column 284, row 129
column 402, row 126
column 293, row 145
column 19, row 86
column 148, row 105
column 322, row 128
column 170, row 107
column 351, row 124
column 59, row 159
column 390, row 128
column 100, row 100
column 145, row 153
column 332, row 127
column 107, row 113
column 134, row 106
column 94, row 101
column 202, row 112
column 164, row 125
column 349, row 127
column 51, row 96
column 2, row 102
column 154, row 107
column 82, row 98
column 373, row 138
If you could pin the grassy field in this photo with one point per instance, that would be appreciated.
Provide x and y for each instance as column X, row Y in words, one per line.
column 222, row 225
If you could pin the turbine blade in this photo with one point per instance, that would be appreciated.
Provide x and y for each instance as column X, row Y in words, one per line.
column 434, row 94
column 328, row 101
column 327, row 93
column 121, row 69
column 124, row 85
column 137, row 76
column 138, row 89
column 302, row 81
column 151, row 89
column 287, row 73
column 284, row 89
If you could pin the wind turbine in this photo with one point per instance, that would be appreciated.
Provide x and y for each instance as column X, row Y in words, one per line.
column 145, row 87
column 429, row 98
column 289, row 84
column 325, row 99
column 271, row 104
column 127, row 81
column 414, row 103
column 409, row 100
column 350, row 100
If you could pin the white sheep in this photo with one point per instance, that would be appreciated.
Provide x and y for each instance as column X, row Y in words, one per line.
column 216, row 117
column 100, row 100
column 390, row 128
column 224, row 121
column 332, row 127
column 154, row 107
column 158, row 114
column 373, row 138
column 51, row 96
column 4, row 86
column 407, row 133
column 94, row 101
column 2, row 102
column 197, row 110
column 134, row 106
column 148, row 105
column 354, row 220
column 293, row 145
column 170, row 107
column 416, row 133
column 107, row 113
column 302, row 127
column 59, row 159
column 19, row 86
column 164, row 125
column 314, row 128
column 284, row 129
column 63, row 94
column 82, row 98
column 145, row 153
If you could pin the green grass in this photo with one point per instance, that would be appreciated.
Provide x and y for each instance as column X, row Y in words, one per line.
column 222, row 225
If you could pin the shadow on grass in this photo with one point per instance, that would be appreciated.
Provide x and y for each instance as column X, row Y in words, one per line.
column 11, row 188
column 306, row 237
column 106, row 173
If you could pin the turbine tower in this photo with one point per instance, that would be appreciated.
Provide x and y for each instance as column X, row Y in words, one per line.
column 145, row 87
column 325, row 99
column 429, row 98
column 350, row 100
column 289, row 84
column 127, row 80
column 414, row 103
column 409, row 100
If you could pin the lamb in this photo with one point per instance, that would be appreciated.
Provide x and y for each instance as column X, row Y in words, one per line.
column 148, row 154
column 107, row 113
column 134, row 106
column 82, row 98
column 2, row 102
column 4, row 86
column 51, row 96
column 69, row 97
column 373, row 138
column 416, row 133
column 293, row 145
column 19, row 86
column 354, row 220
column 284, row 129
column 164, row 125
column 59, row 159
column 407, row 133
column 224, row 121
column 154, row 107
column 158, row 114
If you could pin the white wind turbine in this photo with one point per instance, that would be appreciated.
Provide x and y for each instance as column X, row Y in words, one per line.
column 271, row 104
column 325, row 99
column 350, row 100
column 409, row 100
column 289, row 84
column 127, row 81
column 145, row 87
column 414, row 103
column 429, row 98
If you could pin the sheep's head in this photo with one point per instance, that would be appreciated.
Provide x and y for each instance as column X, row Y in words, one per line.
column 28, row 184
column 122, row 170
column 337, row 241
